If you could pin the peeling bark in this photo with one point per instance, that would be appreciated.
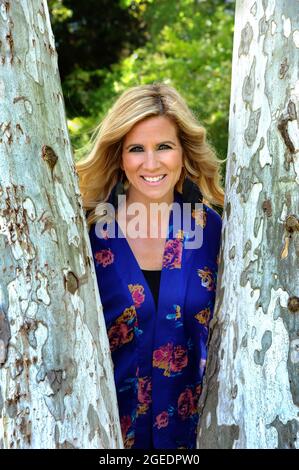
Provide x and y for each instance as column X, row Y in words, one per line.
column 56, row 375
column 250, row 397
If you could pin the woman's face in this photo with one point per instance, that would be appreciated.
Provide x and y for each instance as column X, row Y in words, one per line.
column 152, row 159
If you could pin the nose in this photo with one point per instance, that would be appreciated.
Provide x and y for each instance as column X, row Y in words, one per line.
column 151, row 161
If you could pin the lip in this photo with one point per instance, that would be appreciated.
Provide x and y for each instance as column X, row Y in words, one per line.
column 154, row 183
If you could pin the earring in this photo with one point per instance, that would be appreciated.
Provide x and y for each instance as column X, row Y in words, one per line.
column 191, row 192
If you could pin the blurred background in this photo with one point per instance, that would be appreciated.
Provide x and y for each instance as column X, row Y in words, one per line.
column 106, row 46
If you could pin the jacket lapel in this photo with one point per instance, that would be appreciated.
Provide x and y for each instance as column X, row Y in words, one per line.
column 173, row 282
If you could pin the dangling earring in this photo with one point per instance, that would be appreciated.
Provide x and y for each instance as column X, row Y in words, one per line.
column 191, row 192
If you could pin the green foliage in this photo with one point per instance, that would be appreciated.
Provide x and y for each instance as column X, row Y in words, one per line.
column 92, row 34
column 132, row 3
column 60, row 13
column 189, row 46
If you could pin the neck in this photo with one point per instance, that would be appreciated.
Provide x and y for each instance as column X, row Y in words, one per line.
column 160, row 221
column 134, row 196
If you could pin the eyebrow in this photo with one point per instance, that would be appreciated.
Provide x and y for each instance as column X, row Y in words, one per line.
column 164, row 142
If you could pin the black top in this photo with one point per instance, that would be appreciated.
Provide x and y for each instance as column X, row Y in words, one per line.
column 153, row 280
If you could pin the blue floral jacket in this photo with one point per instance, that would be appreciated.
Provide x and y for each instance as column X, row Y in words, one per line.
column 159, row 355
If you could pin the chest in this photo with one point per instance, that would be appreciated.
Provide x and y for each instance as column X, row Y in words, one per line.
column 148, row 252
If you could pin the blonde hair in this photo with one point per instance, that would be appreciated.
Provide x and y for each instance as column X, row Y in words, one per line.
column 100, row 170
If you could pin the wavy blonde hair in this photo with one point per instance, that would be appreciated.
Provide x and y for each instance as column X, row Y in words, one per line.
column 100, row 170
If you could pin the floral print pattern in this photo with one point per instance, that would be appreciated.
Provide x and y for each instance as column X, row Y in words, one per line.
column 128, row 434
column 162, row 420
column 187, row 404
column 180, row 234
column 204, row 316
column 159, row 356
column 176, row 315
column 122, row 331
column 137, row 291
column 144, row 394
column 171, row 358
column 200, row 216
column 172, row 257
column 207, row 278
column 104, row 257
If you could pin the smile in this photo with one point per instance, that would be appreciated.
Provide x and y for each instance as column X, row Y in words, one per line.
column 153, row 179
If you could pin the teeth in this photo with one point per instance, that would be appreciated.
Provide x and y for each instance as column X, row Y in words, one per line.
column 153, row 179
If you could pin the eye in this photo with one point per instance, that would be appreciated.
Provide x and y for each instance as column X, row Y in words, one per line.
column 165, row 146
column 136, row 149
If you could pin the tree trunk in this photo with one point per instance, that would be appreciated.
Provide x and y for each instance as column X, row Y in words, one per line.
column 56, row 377
column 251, row 392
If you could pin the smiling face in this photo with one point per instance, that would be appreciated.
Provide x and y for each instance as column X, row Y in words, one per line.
column 152, row 159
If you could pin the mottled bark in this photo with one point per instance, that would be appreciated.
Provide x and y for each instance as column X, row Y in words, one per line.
column 56, row 378
column 251, row 393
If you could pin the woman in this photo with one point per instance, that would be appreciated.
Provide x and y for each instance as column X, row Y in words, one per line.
column 157, row 294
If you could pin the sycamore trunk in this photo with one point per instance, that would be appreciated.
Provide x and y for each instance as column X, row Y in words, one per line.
column 56, row 379
column 251, row 394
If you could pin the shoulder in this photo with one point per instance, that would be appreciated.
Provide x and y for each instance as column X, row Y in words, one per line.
column 213, row 218
column 91, row 230
column 100, row 235
column 212, row 231
column 92, row 236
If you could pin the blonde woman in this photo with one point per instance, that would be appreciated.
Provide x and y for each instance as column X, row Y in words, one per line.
column 156, row 270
